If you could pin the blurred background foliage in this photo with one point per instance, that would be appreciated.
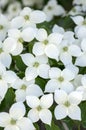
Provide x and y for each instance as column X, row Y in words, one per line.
column 19, row 67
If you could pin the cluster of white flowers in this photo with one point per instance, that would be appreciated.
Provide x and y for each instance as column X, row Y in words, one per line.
column 65, row 87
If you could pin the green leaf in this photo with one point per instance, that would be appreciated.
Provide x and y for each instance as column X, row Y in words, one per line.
column 41, row 82
column 53, row 127
column 19, row 63
column 83, row 113
column 8, row 100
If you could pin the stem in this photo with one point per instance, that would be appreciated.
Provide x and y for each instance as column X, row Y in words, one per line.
column 65, row 126
column 78, row 127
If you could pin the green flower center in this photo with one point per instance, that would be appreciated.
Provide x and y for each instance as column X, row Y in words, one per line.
column 1, row 27
column 1, row 50
column 39, row 108
column 84, row 22
column 67, row 104
column 20, row 40
column 13, row 121
column 36, row 64
column 14, row 9
column 50, row 8
column 23, row 87
column 61, row 79
column 65, row 49
column 45, row 42
column 26, row 17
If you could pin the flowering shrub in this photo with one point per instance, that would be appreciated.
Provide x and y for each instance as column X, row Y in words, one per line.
column 42, row 65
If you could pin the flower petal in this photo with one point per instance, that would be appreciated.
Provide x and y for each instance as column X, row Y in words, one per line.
column 4, row 119
column 52, row 51
column 75, row 97
column 41, row 34
column 51, row 86
column 5, row 59
column 46, row 101
column 32, row 101
column 37, row 16
column 74, row 112
column 18, row 49
column 27, row 58
column 20, row 95
column 34, row 90
column 28, row 34
column 25, row 124
column 60, row 112
column 60, row 96
column 78, row 20
column 17, row 110
column 75, row 50
column 46, row 116
column 66, row 58
column 17, row 22
column 68, row 74
column 33, row 115
column 67, row 87
column 38, row 49
column 55, row 38
column 9, row 45
column 43, row 71
column 31, row 73
column 81, row 61
column 11, row 127
column 10, row 76
column 54, row 73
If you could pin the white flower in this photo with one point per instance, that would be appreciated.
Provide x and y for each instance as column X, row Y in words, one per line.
column 6, row 79
column 25, row 88
column 13, row 9
column 27, row 18
column 47, row 44
column 40, row 108
column 81, row 60
column 5, row 58
column 53, row 9
column 36, row 66
column 80, row 29
column 67, row 105
column 67, row 51
column 60, row 80
column 15, row 120
column 12, row 46
column 28, row 34
column 82, row 87
column 4, row 25
column 68, row 47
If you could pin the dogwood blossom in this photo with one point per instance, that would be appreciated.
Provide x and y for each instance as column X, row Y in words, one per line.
column 25, row 88
column 13, row 10
column 81, row 60
column 53, row 9
column 80, row 29
column 60, row 80
column 82, row 87
column 47, row 45
column 15, row 120
column 4, row 25
column 27, row 18
column 67, row 105
column 36, row 66
column 40, row 108
column 5, row 58
column 6, row 79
